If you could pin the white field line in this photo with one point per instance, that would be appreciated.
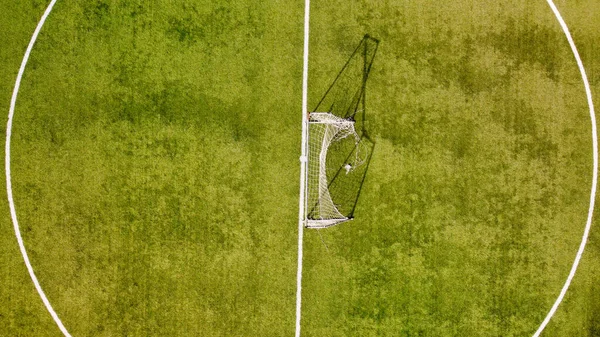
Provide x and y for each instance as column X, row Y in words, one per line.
column 11, row 203
column 303, row 163
column 588, row 224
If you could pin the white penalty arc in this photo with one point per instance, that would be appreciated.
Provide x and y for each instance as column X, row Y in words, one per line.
column 588, row 224
column 9, row 192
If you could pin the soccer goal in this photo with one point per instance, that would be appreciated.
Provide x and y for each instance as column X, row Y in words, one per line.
column 337, row 146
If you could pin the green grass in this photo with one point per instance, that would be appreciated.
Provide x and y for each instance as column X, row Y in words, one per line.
column 155, row 170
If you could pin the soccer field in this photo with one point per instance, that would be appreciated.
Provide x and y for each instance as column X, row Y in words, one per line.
column 154, row 160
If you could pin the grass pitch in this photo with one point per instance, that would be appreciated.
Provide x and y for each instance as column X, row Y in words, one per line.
column 155, row 166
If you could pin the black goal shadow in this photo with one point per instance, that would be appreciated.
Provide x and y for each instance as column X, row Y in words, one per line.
column 346, row 98
column 346, row 183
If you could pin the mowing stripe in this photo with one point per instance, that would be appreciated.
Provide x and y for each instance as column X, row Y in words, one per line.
column 588, row 224
column 11, row 203
column 303, row 163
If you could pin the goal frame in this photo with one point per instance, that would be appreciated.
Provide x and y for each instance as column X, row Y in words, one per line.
column 347, row 116
column 321, row 223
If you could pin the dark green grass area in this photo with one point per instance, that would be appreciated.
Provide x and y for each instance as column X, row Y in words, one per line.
column 155, row 170
column 477, row 194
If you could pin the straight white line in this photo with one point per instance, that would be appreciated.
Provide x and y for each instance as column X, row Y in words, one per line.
column 588, row 224
column 303, row 163
column 11, row 203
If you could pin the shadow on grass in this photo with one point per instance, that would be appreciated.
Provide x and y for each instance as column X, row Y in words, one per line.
column 346, row 98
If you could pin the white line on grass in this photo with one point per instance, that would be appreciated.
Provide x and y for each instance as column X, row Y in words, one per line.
column 11, row 203
column 588, row 224
column 302, row 203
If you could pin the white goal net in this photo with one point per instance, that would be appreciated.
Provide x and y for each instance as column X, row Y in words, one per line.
column 326, row 129
column 337, row 147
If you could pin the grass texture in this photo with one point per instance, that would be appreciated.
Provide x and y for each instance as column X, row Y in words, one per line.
column 155, row 170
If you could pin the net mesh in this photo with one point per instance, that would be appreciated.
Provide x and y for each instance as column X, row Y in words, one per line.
column 338, row 148
column 324, row 130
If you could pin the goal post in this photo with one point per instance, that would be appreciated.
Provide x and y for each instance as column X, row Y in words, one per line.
column 324, row 130
column 337, row 148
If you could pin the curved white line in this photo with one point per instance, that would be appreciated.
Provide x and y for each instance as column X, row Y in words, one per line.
column 588, row 224
column 11, row 203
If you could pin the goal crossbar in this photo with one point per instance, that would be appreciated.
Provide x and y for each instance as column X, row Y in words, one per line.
column 311, row 223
